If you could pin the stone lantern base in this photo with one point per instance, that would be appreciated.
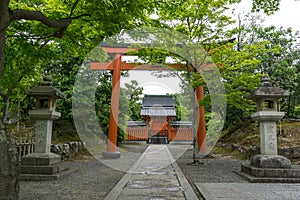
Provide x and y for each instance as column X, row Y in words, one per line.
column 42, row 166
column 270, row 169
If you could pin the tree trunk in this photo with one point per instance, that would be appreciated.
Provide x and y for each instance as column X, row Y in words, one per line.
column 9, row 166
column 5, row 108
column 195, row 123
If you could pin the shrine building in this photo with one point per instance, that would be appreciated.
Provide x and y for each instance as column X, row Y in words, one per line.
column 159, row 125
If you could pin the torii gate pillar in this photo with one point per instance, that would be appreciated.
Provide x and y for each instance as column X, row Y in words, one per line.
column 114, row 111
column 201, row 128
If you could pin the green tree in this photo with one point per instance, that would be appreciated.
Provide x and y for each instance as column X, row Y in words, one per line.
column 203, row 22
column 280, row 64
column 124, row 114
column 103, row 98
column 63, row 75
column 134, row 95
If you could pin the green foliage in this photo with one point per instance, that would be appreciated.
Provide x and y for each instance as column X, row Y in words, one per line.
column 278, row 57
column 134, row 95
column 103, row 98
column 64, row 74
column 268, row 7
column 91, row 22
column 240, row 77
column 102, row 106
column 124, row 113
column 33, row 46
column 202, row 20
column 184, row 105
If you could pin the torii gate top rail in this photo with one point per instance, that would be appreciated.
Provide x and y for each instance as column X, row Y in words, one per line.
column 130, row 66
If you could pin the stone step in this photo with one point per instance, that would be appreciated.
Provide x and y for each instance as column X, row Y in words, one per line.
column 46, row 177
column 254, row 179
column 292, row 172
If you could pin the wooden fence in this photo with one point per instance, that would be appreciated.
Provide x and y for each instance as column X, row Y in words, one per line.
column 137, row 133
column 24, row 146
column 180, row 134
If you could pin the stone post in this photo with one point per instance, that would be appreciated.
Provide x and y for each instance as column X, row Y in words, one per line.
column 42, row 164
column 267, row 126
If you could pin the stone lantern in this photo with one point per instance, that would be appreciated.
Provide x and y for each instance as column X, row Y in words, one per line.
column 266, row 98
column 268, row 166
column 42, row 164
column 44, row 113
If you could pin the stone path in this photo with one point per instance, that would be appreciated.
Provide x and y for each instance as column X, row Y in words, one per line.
column 155, row 176
column 247, row 191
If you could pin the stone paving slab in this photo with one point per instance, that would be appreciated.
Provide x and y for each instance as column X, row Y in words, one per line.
column 155, row 175
column 247, row 191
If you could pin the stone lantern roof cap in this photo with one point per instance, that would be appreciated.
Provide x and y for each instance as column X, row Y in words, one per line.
column 266, row 89
column 46, row 90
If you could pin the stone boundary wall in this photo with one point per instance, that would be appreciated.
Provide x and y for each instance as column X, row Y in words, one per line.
column 68, row 149
column 289, row 152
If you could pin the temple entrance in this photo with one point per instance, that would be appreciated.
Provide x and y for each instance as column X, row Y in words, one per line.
column 158, row 111
column 158, row 130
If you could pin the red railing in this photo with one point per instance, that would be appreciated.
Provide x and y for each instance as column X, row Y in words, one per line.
column 137, row 133
column 176, row 134
column 180, row 134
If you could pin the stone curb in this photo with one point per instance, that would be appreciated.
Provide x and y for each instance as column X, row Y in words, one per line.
column 116, row 191
column 188, row 191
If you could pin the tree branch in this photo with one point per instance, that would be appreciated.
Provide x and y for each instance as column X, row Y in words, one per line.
column 39, row 16
column 61, row 24
column 73, row 7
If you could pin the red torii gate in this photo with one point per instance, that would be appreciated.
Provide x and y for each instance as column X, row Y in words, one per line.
column 116, row 66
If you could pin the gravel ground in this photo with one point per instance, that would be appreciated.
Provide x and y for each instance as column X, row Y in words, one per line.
column 210, row 170
column 94, row 180
column 91, row 180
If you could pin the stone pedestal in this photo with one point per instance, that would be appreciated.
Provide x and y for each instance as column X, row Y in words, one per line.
column 42, row 164
column 270, row 161
column 270, row 169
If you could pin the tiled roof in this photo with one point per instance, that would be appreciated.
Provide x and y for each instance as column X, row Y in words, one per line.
column 158, row 101
column 181, row 123
column 158, row 112
column 158, row 105
column 136, row 123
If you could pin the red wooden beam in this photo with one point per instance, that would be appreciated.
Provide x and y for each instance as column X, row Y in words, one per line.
column 135, row 66
column 117, row 50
